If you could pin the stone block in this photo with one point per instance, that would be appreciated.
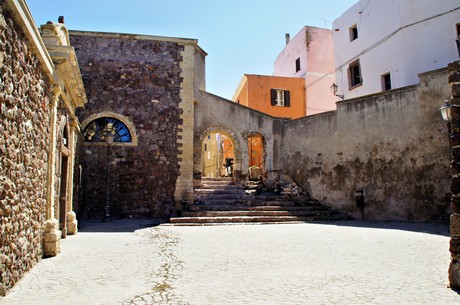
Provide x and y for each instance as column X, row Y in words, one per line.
column 456, row 90
column 455, row 225
column 53, row 237
column 454, row 275
column 51, row 225
column 52, row 249
column 454, row 76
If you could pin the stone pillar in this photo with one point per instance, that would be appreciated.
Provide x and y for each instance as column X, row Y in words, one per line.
column 52, row 238
column 454, row 139
column 71, row 216
column 184, row 183
column 52, row 153
column 51, row 225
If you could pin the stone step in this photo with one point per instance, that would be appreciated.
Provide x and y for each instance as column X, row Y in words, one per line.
column 218, row 182
column 243, row 219
column 218, row 179
column 245, row 201
column 223, row 191
column 246, row 213
column 216, row 186
column 242, row 207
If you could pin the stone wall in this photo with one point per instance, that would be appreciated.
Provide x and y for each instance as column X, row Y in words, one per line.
column 216, row 114
column 393, row 145
column 24, row 130
column 454, row 137
column 139, row 79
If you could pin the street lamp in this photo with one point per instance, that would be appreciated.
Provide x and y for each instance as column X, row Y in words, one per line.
column 108, row 133
column 334, row 89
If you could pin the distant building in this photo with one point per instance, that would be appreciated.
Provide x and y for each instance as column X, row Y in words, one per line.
column 382, row 45
column 310, row 55
column 276, row 96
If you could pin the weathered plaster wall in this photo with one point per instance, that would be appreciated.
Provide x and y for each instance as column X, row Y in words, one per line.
column 392, row 145
column 215, row 114
column 24, row 130
column 138, row 77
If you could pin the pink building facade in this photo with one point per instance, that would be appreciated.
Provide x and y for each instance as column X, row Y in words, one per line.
column 310, row 55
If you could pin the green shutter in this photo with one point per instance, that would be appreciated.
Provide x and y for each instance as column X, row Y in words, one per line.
column 287, row 98
column 273, row 96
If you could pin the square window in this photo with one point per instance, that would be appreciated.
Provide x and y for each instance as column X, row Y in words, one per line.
column 280, row 97
column 354, row 75
column 297, row 65
column 353, row 33
column 386, row 82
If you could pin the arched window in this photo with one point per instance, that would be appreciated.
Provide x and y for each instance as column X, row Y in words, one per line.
column 108, row 130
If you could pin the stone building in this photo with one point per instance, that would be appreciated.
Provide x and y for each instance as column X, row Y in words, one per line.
column 41, row 89
column 144, row 86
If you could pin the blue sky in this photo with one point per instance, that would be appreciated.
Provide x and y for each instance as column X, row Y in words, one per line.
column 240, row 36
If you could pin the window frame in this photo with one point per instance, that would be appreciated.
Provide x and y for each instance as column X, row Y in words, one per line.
column 386, row 80
column 109, row 114
column 280, row 97
column 354, row 73
column 353, row 31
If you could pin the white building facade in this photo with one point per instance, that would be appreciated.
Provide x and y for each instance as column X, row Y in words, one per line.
column 383, row 45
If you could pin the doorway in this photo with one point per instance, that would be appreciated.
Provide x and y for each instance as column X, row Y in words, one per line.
column 255, row 156
column 218, row 155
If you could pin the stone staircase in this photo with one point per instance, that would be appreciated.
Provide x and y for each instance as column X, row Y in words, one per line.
column 220, row 201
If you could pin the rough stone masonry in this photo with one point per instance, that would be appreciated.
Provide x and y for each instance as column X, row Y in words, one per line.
column 24, row 145
column 140, row 80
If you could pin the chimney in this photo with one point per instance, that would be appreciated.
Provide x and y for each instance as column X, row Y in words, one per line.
column 288, row 38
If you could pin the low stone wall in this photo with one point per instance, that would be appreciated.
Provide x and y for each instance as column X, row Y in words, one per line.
column 24, row 130
column 393, row 145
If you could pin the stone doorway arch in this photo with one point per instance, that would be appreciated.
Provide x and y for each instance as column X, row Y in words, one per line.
column 237, row 162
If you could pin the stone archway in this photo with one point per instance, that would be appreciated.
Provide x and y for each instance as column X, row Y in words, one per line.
column 237, row 163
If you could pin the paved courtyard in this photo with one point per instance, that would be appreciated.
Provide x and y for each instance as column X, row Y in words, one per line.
column 127, row 262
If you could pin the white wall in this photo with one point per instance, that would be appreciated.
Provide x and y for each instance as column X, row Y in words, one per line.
column 389, row 41
column 316, row 66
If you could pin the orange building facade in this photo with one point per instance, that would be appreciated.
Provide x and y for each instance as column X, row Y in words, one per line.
column 274, row 95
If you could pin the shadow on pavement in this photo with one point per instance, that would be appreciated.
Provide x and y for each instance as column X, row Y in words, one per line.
column 436, row 228
column 116, row 225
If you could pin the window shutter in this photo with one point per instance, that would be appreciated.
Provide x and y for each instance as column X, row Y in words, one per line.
column 273, row 96
column 287, row 98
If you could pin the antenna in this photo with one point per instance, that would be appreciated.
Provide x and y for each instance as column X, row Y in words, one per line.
column 325, row 22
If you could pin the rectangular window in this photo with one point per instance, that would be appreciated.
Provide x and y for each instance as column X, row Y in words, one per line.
column 458, row 30
column 353, row 33
column 386, row 82
column 280, row 97
column 354, row 75
column 297, row 65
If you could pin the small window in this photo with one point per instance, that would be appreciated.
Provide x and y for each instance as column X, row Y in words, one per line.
column 353, row 33
column 297, row 65
column 354, row 75
column 386, row 82
column 458, row 30
column 280, row 97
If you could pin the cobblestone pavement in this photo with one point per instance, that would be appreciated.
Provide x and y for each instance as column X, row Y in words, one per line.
column 124, row 262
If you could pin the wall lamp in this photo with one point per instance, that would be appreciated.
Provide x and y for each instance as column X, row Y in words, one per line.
column 446, row 111
column 334, row 89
